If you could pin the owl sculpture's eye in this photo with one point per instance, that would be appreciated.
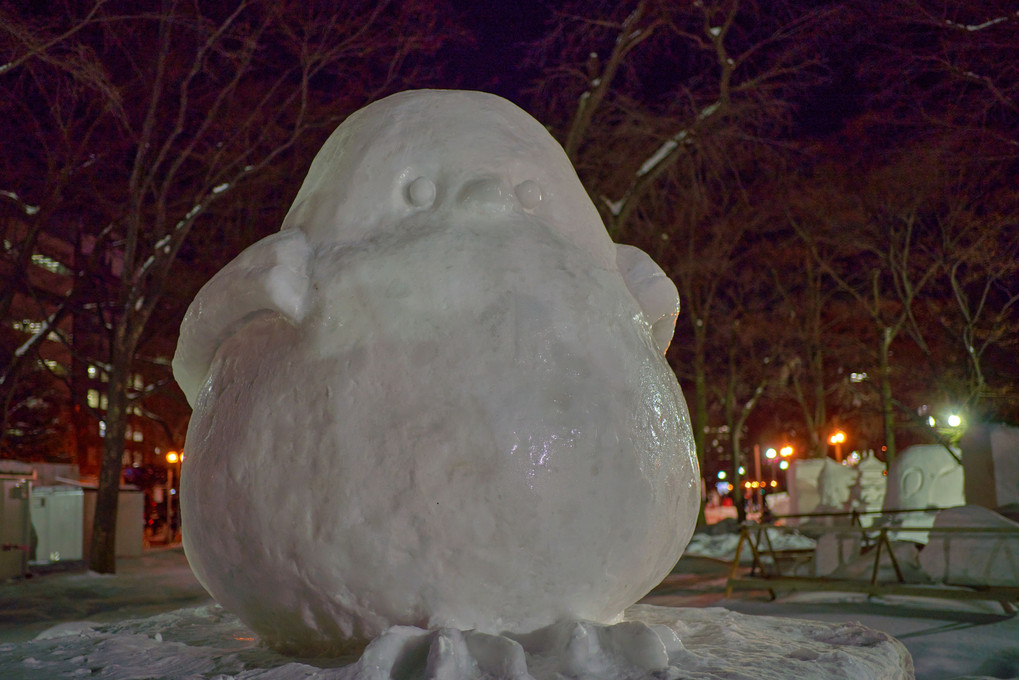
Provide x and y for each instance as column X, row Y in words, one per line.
column 421, row 192
column 528, row 193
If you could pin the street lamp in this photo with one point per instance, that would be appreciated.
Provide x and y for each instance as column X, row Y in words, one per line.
column 785, row 453
column 837, row 438
column 172, row 459
column 771, row 454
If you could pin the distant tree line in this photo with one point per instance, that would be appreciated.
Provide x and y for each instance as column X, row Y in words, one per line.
column 157, row 140
column 830, row 185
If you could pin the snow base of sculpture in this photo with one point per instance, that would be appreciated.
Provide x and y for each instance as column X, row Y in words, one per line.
column 650, row 643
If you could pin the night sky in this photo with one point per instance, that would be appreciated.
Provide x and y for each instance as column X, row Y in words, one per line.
column 502, row 33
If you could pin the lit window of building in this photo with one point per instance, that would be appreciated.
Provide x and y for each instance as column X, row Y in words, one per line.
column 49, row 264
column 27, row 326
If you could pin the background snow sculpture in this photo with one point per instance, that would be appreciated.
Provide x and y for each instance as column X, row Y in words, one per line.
column 437, row 397
column 868, row 494
column 981, row 559
column 834, row 485
column 803, row 476
column 924, row 477
column 990, row 456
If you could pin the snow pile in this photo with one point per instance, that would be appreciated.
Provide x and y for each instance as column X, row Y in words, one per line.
column 973, row 559
column 651, row 642
column 722, row 546
column 1005, row 451
column 842, row 557
column 438, row 397
column 15, row 467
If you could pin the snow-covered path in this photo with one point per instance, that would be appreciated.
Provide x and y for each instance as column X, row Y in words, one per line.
column 154, row 613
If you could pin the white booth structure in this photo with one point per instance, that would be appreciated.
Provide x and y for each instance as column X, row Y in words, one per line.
column 15, row 521
column 57, row 515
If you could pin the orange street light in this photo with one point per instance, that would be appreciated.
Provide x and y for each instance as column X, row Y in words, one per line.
column 837, row 438
column 785, row 451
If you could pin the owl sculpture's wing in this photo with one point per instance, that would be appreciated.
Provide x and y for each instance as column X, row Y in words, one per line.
column 654, row 291
column 270, row 276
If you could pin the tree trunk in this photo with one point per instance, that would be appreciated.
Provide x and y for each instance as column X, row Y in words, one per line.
column 736, row 440
column 700, row 411
column 887, row 405
column 737, row 478
column 103, row 549
column 700, row 414
column 819, row 444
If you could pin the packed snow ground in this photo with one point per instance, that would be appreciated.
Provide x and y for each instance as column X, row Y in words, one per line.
column 153, row 620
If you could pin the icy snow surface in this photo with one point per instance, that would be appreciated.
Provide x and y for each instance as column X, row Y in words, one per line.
column 652, row 643
column 438, row 397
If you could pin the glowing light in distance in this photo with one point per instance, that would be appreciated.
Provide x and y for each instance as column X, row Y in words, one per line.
column 771, row 453
column 954, row 420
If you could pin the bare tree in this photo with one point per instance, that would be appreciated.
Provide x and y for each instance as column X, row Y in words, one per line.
column 979, row 265
column 872, row 237
column 193, row 103
column 643, row 84
column 987, row 300
column 663, row 107
column 803, row 328
column 751, row 362
column 947, row 69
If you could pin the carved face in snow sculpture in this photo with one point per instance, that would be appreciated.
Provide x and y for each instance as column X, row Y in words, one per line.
column 925, row 476
column 437, row 397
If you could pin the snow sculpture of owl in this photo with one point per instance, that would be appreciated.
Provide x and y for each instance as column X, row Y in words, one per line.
column 437, row 397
